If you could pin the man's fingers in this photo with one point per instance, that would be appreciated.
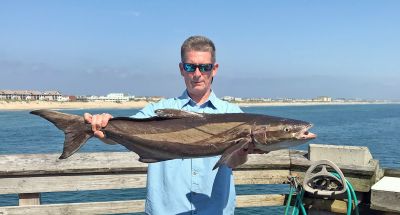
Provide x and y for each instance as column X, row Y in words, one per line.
column 87, row 117
column 106, row 117
column 99, row 134
column 96, row 122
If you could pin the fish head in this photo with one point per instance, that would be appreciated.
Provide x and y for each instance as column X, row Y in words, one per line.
column 281, row 133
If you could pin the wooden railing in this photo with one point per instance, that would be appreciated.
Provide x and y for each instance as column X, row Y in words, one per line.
column 31, row 174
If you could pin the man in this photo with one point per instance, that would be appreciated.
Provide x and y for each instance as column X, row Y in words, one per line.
column 188, row 186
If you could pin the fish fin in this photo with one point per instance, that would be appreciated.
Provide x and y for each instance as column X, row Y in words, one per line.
column 235, row 155
column 74, row 127
column 176, row 114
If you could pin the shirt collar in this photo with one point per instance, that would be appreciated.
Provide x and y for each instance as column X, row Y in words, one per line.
column 212, row 102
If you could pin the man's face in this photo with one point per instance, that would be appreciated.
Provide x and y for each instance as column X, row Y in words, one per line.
column 198, row 83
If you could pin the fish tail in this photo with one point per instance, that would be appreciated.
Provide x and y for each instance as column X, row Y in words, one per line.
column 76, row 131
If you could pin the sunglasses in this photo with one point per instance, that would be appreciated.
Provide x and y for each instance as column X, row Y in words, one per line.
column 189, row 67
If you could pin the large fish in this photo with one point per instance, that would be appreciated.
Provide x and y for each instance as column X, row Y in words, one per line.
column 179, row 134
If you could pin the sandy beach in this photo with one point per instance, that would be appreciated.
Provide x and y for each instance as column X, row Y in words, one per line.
column 34, row 105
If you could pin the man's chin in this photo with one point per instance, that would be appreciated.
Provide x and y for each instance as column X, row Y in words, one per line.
column 200, row 90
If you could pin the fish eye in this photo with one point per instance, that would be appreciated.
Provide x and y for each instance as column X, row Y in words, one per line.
column 286, row 129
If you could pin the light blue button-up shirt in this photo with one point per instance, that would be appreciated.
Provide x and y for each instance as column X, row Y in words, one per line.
column 190, row 186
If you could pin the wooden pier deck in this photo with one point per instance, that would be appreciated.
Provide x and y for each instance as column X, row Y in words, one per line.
column 29, row 175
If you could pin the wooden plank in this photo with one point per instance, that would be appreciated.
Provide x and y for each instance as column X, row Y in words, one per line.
column 273, row 160
column 45, row 164
column 117, row 181
column 106, row 162
column 29, row 199
column 126, row 162
column 261, row 176
column 112, row 207
column 260, row 200
column 392, row 172
column 130, row 206
column 71, row 183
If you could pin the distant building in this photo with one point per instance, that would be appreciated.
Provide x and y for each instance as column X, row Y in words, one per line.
column 111, row 97
column 322, row 99
column 228, row 98
column 63, row 99
column 232, row 99
column 72, row 98
column 29, row 95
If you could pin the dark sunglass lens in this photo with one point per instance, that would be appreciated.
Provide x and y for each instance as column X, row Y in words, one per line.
column 189, row 67
column 202, row 67
column 205, row 67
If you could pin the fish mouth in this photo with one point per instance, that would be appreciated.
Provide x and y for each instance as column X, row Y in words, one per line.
column 304, row 134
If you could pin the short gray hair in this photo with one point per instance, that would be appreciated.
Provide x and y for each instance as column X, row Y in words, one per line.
column 198, row 43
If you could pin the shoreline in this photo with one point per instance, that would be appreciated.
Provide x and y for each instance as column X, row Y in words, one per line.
column 34, row 105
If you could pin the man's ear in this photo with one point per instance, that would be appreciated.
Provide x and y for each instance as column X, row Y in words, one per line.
column 181, row 69
column 215, row 69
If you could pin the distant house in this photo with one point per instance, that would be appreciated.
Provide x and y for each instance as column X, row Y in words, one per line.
column 322, row 99
column 228, row 98
column 72, row 98
column 29, row 95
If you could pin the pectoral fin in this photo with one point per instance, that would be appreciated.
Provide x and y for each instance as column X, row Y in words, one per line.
column 235, row 155
column 176, row 114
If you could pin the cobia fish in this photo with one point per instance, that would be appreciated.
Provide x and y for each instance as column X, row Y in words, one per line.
column 175, row 134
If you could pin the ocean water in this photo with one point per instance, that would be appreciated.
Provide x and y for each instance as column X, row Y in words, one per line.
column 375, row 126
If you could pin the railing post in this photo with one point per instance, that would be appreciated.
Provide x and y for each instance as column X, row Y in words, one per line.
column 29, row 199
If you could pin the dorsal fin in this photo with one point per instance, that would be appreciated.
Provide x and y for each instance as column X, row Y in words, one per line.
column 176, row 114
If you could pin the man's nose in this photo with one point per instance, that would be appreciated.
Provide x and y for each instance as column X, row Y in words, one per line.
column 197, row 72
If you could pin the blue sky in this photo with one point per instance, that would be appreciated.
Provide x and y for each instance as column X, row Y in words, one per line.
column 295, row 49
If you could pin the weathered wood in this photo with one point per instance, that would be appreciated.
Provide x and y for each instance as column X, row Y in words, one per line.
column 117, row 181
column 260, row 200
column 106, row 162
column 273, row 160
column 71, row 183
column 79, row 163
column 261, row 176
column 29, row 199
column 120, row 170
column 392, row 172
column 112, row 207
column 131, row 206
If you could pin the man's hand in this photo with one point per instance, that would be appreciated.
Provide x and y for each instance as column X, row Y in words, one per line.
column 98, row 121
